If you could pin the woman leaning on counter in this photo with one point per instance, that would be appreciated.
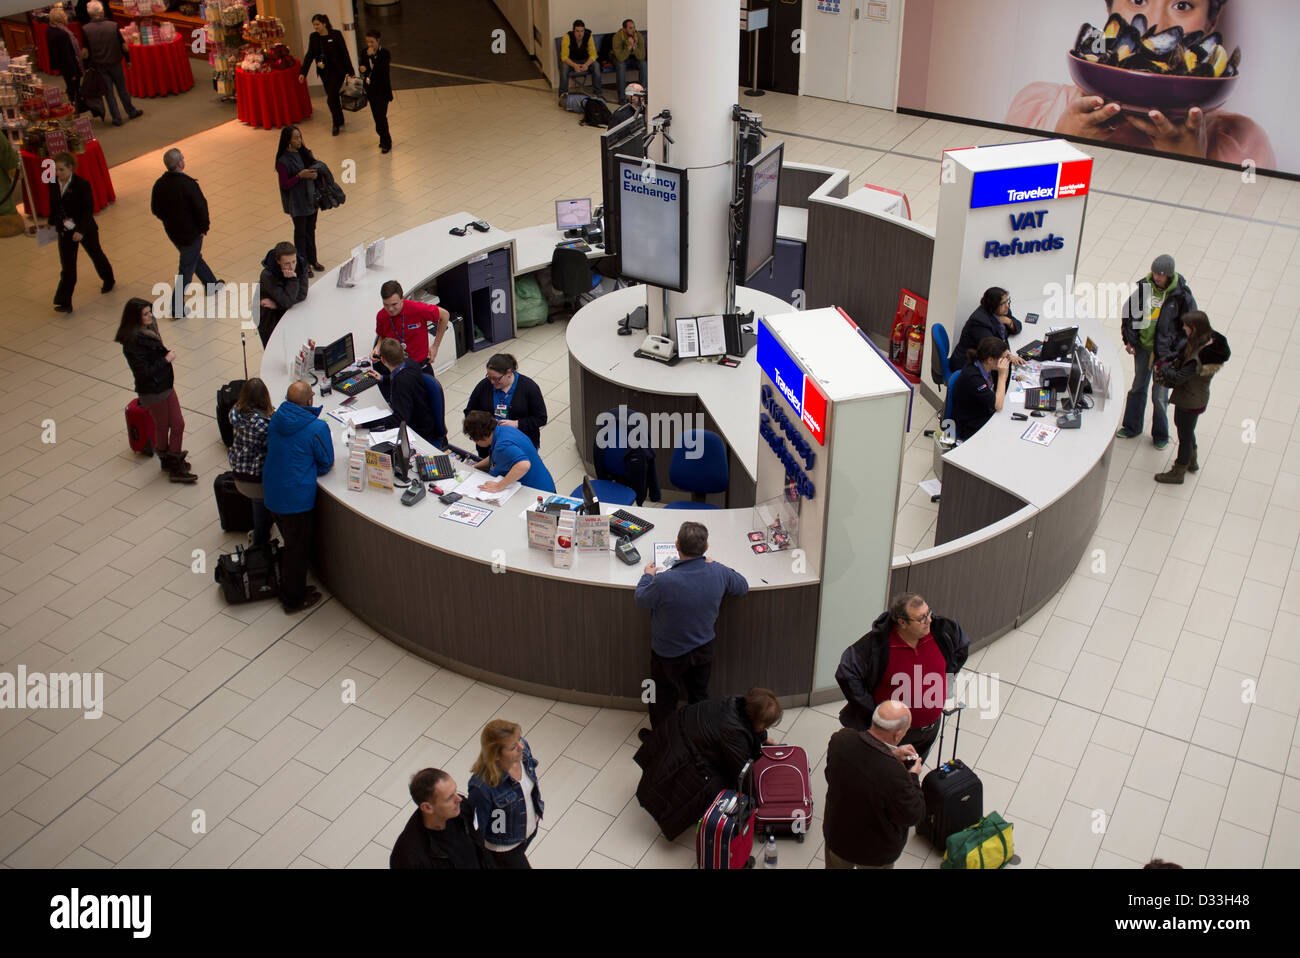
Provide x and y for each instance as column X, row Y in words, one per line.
column 511, row 398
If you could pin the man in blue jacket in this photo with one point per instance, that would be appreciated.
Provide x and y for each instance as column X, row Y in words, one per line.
column 683, row 603
column 298, row 449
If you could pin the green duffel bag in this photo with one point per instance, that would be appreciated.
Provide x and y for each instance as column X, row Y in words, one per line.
column 530, row 307
column 986, row 844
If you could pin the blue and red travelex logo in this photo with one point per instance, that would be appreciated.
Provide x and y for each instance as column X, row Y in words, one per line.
column 1030, row 184
column 795, row 386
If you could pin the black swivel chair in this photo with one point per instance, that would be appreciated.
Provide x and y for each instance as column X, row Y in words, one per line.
column 570, row 275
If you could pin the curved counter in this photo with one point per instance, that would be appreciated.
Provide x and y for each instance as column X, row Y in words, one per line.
column 572, row 634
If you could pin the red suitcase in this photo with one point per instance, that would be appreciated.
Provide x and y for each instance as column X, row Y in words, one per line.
column 725, row 838
column 139, row 428
column 783, row 791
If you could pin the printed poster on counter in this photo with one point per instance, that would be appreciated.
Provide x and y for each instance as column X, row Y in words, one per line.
column 591, row 534
column 1026, row 64
column 379, row 470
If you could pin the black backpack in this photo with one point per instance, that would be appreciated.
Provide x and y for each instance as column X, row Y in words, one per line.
column 595, row 112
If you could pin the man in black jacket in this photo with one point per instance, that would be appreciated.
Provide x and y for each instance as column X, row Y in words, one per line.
column 696, row 752
column 442, row 833
column 405, row 391
column 1152, row 332
column 180, row 204
column 907, row 656
column 72, row 214
column 379, row 86
column 106, row 51
column 282, row 285
column 873, row 791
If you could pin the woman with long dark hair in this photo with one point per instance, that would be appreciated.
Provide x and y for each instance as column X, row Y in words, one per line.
column 293, row 165
column 1189, row 375
column 981, row 389
column 151, row 365
column 328, row 51
column 250, row 418
column 992, row 317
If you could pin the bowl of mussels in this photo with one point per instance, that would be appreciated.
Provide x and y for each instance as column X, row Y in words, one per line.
column 1143, row 68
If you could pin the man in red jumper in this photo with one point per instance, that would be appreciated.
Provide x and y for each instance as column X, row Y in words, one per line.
column 408, row 322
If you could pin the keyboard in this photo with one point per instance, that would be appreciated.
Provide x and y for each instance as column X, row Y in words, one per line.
column 355, row 383
column 435, row 468
column 1043, row 399
column 577, row 244
column 1032, row 351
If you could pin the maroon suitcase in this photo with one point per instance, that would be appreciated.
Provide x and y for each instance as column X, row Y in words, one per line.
column 139, row 428
column 783, row 791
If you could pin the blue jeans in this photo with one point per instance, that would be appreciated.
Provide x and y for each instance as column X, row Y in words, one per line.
column 1135, row 409
column 620, row 69
column 566, row 71
column 262, row 520
column 191, row 262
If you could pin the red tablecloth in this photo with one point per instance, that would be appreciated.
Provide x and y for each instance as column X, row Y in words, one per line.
column 271, row 100
column 158, row 69
column 39, row 29
column 91, row 166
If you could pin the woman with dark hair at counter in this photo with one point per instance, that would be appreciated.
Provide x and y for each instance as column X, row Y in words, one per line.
column 151, row 365
column 511, row 398
column 977, row 395
column 327, row 49
column 293, row 165
column 250, row 418
column 511, row 455
column 992, row 317
column 1203, row 355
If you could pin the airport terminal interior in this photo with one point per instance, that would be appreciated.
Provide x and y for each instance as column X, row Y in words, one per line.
column 1122, row 696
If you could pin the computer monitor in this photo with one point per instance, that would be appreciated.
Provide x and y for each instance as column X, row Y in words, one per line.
column 652, row 222
column 339, row 355
column 1058, row 345
column 590, row 504
column 402, row 454
column 758, row 229
column 628, row 139
column 572, row 214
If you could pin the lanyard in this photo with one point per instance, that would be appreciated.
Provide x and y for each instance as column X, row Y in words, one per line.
column 503, row 406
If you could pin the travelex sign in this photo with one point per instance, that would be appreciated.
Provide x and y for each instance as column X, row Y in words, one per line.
column 1030, row 184
column 1025, row 221
column 803, row 397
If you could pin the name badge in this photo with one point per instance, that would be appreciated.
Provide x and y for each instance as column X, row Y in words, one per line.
column 501, row 411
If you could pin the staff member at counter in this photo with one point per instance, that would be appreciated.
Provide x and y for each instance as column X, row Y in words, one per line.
column 405, row 391
column 408, row 322
column 992, row 317
column 511, row 454
column 975, row 395
column 511, row 398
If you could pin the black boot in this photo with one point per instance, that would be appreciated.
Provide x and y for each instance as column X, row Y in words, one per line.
column 180, row 470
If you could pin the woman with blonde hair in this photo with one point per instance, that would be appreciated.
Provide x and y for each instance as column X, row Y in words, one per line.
column 505, row 793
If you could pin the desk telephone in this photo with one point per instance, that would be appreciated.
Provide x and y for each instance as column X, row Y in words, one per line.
column 658, row 347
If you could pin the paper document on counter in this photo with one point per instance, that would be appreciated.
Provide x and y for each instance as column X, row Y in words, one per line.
column 356, row 417
column 472, row 488
column 1041, row 433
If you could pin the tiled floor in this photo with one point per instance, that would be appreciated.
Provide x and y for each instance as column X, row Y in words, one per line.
column 1156, row 696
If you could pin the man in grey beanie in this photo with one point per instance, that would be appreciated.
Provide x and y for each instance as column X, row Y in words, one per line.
column 1151, row 329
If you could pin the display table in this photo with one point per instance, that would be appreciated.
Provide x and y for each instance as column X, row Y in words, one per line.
column 272, row 100
column 40, row 29
column 91, row 166
column 186, row 26
column 159, row 69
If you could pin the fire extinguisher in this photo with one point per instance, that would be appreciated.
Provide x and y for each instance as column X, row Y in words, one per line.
column 898, row 339
column 915, row 343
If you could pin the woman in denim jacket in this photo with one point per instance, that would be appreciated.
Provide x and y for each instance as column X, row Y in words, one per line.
column 505, row 793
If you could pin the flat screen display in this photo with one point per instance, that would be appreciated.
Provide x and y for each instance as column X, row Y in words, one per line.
column 652, row 222
column 572, row 214
column 339, row 355
column 762, row 191
column 624, row 139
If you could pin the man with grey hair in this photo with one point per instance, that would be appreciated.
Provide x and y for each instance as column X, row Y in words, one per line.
column 180, row 204
column 105, row 49
column 873, row 791
column 683, row 602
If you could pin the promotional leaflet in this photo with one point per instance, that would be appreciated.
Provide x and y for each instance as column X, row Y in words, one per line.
column 379, row 470
column 591, row 533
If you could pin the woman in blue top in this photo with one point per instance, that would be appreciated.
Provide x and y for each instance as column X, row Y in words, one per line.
column 511, row 454
column 505, row 793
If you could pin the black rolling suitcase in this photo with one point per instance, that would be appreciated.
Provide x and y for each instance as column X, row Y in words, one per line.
column 233, row 508
column 227, row 396
column 954, row 795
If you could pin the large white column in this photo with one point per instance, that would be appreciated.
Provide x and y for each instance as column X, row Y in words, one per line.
column 694, row 62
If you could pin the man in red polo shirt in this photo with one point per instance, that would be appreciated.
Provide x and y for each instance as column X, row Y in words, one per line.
column 907, row 656
column 408, row 323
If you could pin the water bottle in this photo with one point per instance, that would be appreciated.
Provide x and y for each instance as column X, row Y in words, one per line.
column 769, row 853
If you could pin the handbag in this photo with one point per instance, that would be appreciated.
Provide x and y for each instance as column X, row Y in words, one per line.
column 988, row 844
column 352, row 95
column 92, row 84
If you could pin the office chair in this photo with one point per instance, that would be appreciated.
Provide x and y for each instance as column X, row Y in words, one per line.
column 433, row 389
column 701, row 476
column 633, row 468
column 939, row 340
column 570, row 275
column 615, row 493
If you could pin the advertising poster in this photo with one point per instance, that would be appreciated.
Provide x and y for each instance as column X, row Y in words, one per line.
column 1219, row 75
